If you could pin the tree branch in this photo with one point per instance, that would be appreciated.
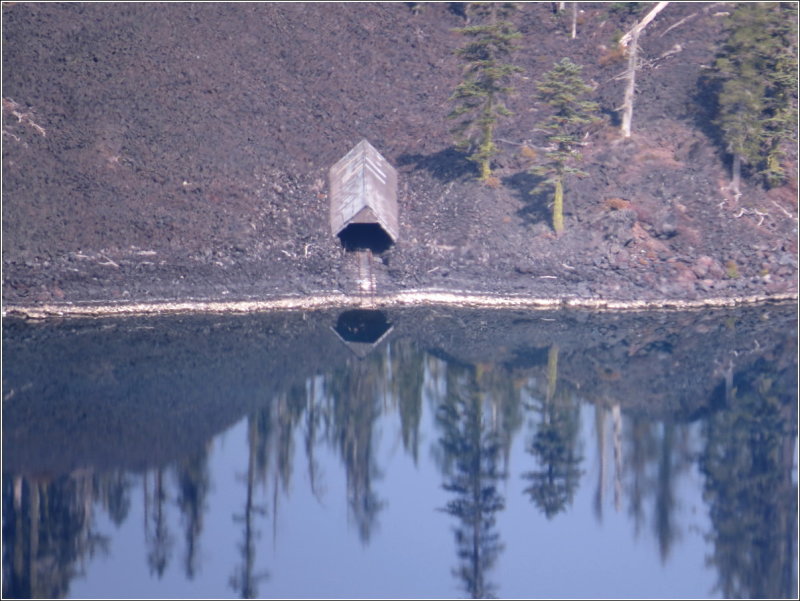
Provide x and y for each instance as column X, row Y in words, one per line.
column 678, row 24
column 637, row 29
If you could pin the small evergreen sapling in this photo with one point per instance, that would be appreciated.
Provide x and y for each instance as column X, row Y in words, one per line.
column 478, row 98
column 563, row 89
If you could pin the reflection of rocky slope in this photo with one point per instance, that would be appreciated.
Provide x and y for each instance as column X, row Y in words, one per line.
column 144, row 392
column 657, row 363
column 187, row 148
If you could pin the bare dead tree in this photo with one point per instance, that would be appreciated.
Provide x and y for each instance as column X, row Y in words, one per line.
column 631, row 41
column 574, row 20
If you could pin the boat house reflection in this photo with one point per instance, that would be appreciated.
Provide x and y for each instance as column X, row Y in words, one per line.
column 362, row 330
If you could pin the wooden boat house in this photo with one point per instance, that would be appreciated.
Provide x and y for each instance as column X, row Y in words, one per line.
column 363, row 196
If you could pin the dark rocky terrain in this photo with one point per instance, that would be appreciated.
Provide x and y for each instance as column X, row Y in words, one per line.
column 179, row 151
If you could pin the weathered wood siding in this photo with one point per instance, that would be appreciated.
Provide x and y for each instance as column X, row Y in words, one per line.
column 363, row 189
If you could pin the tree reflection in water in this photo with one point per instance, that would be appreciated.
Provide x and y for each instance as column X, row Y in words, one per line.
column 245, row 578
column 745, row 443
column 407, row 370
column 193, row 487
column 48, row 531
column 470, row 457
column 355, row 397
column 748, row 461
column 555, row 444
column 156, row 531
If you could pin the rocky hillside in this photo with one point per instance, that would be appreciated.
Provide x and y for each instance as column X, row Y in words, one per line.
column 173, row 151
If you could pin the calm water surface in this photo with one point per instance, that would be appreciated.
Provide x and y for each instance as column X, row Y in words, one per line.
column 425, row 453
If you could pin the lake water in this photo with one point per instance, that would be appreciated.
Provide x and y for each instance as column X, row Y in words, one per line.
column 424, row 452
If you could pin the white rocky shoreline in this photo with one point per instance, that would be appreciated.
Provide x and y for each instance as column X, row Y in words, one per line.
column 379, row 301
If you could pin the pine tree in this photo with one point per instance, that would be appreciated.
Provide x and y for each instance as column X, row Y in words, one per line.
column 562, row 89
column 781, row 126
column 756, row 72
column 478, row 98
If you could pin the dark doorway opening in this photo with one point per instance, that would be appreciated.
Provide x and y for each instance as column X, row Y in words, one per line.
column 362, row 325
column 365, row 236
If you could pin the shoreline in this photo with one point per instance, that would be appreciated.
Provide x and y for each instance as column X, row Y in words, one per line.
column 461, row 298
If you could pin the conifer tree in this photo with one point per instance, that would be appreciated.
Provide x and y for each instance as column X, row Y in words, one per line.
column 562, row 89
column 478, row 98
column 756, row 73
column 782, row 123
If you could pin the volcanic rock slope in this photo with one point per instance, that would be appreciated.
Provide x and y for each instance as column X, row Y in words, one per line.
column 178, row 151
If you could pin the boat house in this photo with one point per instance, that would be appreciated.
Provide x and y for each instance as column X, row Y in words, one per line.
column 363, row 196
